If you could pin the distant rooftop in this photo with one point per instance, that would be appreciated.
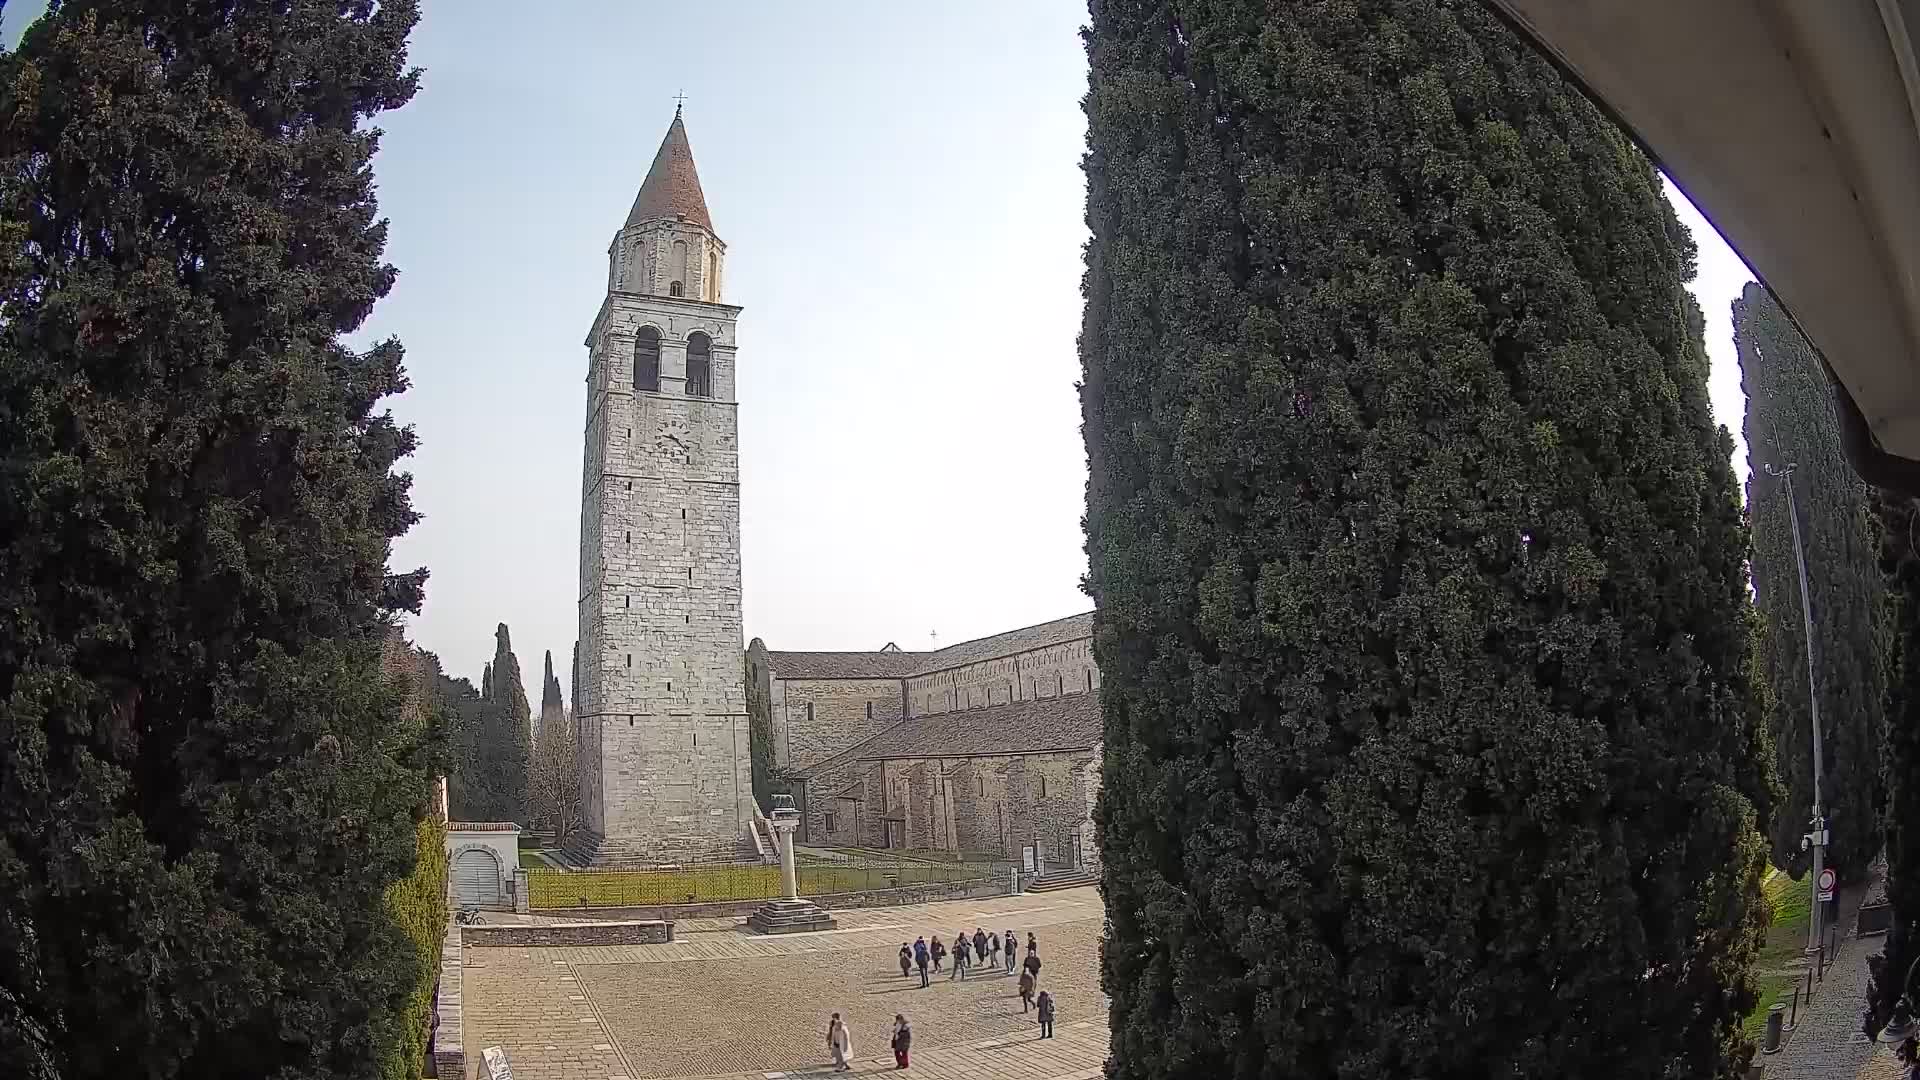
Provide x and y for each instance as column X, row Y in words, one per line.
column 893, row 663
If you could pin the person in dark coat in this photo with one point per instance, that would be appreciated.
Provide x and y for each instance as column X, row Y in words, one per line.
column 961, row 956
column 1013, row 951
column 1033, row 944
column 920, row 956
column 1032, row 966
column 1046, row 1015
column 906, row 959
column 902, row 1040
column 979, row 946
column 1026, row 990
column 939, row 953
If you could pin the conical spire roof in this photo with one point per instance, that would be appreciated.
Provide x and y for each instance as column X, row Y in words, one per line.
column 672, row 187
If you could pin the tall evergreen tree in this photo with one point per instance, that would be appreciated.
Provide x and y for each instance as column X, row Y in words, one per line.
column 1790, row 420
column 1418, row 563
column 553, row 708
column 509, row 737
column 204, row 789
column 1898, row 520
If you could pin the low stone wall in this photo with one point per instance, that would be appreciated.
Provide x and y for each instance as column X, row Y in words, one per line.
column 592, row 932
column 449, row 1055
column 905, row 894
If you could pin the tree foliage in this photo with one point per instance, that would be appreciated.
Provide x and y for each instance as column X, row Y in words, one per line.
column 553, row 781
column 1418, row 563
column 204, row 794
column 1898, row 521
column 1790, row 420
column 491, row 732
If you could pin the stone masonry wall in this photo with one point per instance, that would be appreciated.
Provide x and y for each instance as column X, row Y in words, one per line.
column 660, row 618
column 814, row 719
column 589, row 932
column 983, row 805
column 1039, row 673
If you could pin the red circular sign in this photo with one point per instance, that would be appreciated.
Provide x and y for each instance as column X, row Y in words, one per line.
column 1826, row 880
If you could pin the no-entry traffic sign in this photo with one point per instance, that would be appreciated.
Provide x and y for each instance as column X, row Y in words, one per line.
column 1826, row 883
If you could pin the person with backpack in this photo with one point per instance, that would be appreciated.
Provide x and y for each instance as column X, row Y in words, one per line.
column 902, row 1040
column 1046, row 1015
column 920, row 956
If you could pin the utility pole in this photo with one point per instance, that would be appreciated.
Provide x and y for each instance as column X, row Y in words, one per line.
column 1816, row 840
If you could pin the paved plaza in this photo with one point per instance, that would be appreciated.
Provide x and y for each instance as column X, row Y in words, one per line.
column 719, row 1002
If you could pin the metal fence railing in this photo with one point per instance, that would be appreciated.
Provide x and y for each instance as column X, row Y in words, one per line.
column 718, row 882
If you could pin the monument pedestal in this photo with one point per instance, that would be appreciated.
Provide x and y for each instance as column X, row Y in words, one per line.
column 789, row 917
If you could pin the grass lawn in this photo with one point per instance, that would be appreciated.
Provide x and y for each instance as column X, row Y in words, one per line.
column 531, row 860
column 1786, row 943
column 618, row 888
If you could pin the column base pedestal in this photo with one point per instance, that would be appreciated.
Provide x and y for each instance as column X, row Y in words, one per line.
column 789, row 917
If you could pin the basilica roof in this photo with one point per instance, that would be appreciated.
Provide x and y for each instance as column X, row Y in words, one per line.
column 843, row 665
column 1066, row 722
column 894, row 664
column 672, row 186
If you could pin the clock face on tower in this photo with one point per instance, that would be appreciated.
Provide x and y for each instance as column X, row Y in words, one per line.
column 671, row 441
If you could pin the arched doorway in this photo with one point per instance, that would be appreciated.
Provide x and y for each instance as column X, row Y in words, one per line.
column 476, row 878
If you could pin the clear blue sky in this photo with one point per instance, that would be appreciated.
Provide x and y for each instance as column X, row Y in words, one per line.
column 899, row 188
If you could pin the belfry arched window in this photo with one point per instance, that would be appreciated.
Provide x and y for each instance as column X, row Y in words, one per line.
column 646, row 360
column 699, row 366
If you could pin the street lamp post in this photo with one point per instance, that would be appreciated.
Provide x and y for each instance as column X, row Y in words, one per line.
column 1816, row 840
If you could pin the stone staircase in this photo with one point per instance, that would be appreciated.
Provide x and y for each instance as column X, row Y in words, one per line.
column 789, row 917
column 1054, row 880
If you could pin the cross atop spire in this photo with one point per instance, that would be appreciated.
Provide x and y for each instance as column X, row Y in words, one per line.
column 672, row 187
column 679, row 99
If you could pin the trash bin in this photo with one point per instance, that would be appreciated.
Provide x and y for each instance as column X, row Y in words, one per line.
column 1776, row 1022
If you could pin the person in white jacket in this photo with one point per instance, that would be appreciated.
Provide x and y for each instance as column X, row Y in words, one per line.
column 840, row 1042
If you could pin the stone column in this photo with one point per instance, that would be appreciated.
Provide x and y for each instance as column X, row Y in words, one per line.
column 783, row 829
column 789, row 914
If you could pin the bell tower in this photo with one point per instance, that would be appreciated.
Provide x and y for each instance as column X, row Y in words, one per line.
column 662, row 713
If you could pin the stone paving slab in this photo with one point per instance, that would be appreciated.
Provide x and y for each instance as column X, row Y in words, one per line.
column 720, row 1002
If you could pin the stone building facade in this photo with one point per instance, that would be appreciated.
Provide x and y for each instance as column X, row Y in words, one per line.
column 660, row 697
column 989, row 746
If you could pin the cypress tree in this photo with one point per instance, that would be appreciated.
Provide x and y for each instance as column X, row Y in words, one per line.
column 552, row 706
column 1790, row 420
column 205, row 787
column 1418, row 563
column 508, row 750
column 1898, row 520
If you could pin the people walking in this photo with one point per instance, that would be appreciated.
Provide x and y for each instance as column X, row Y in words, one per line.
column 979, row 946
column 906, row 959
column 1032, row 965
column 840, row 1042
column 993, row 941
column 1033, row 944
column 920, row 956
column 1026, row 990
column 902, row 1040
column 939, row 953
column 962, row 958
column 1046, row 1015
column 1013, row 951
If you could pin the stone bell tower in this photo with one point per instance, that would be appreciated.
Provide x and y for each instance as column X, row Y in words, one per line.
column 662, row 710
